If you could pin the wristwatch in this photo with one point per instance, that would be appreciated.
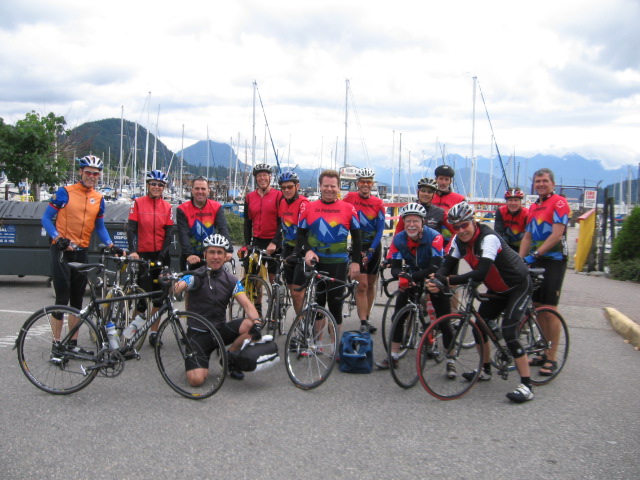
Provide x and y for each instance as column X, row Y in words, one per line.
column 536, row 254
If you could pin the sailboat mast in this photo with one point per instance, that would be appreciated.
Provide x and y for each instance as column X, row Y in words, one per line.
column 146, row 147
column 229, row 171
column 155, row 142
column 121, row 147
column 393, row 173
column 472, row 190
column 207, row 153
column 399, row 164
column 253, row 137
column 182, row 163
column 135, row 160
column 346, row 119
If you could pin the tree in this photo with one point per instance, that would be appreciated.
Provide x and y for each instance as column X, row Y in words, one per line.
column 624, row 261
column 30, row 150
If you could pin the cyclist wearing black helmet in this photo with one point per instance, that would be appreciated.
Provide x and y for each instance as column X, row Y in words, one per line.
column 445, row 197
column 505, row 275
column 74, row 212
column 149, row 235
column 288, row 217
column 511, row 219
column 261, row 214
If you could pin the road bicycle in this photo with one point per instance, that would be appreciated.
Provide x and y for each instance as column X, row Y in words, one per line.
column 467, row 325
column 62, row 349
column 311, row 346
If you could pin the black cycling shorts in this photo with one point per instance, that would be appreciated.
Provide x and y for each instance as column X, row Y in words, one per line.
column 146, row 280
column 373, row 266
column 293, row 274
column 204, row 344
column 549, row 292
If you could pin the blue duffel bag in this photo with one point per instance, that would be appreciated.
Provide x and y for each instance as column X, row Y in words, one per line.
column 356, row 352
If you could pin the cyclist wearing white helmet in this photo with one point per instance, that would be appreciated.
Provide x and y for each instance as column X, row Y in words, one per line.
column 149, row 236
column 371, row 213
column 507, row 280
column 421, row 249
column 261, row 215
column 211, row 288
column 74, row 212
column 511, row 219
column 288, row 216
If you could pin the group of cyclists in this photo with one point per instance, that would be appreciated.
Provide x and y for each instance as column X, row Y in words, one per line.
column 431, row 236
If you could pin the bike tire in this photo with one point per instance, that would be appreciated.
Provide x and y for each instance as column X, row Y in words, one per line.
column 387, row 318
column 311, row 347
column 532, row 339
column 179, row 346
column 64, row 372
column 432, row 372
column 262, row 301
column 402, row 365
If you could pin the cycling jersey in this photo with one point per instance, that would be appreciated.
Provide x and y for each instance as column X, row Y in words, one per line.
column 417, row 254
column 434, row 219
column 261, row 215
column 151, row 215
column 511, row 226
column 371, row 213
column 328, row 226
column 78, row 210
column 289, row 215
column 446, row 200
column 210, row 294
column 195, row 224
column 507, row 269
column 542, row 215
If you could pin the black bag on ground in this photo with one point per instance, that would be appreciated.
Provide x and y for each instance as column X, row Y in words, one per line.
column 254, row 356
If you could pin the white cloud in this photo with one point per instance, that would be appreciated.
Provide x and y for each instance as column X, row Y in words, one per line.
column 556, row 77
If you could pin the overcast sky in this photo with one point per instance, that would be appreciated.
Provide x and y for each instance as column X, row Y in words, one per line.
column 557, row 77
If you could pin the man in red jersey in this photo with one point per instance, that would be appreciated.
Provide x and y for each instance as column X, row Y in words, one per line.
column 511, row 219
column 261, row 215
column 544, row 245
column 149, row 236
column 288, row 216
column 445, row 197
column 198, row 219
column 371, row 213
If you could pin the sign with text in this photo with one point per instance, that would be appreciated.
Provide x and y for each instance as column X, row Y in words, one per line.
column 590, row 197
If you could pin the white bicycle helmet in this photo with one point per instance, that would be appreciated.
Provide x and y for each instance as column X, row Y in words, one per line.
column 460, row 212
column 216, row 240
column 413, row 209
column 90, row 161
column 261, row 167
column 365, row 173
column 428, row 182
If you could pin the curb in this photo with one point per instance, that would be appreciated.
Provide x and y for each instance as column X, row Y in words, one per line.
column 626, row 327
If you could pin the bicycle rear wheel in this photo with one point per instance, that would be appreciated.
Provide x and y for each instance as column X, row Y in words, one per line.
column 59, row 368
column 311, row 347
column 537, row 341
column 258, row 292
column 406, row 329
column 190, row 355
column 432, row 370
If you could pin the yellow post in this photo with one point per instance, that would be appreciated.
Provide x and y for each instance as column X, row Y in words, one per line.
column 587, row 224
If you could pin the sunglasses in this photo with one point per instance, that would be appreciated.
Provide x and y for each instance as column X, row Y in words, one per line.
column 460, row 226
column 155, row 184
column 287, row 187
column 91, row 174
column 365, row 182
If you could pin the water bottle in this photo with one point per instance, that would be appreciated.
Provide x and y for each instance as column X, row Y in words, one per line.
column 134, row 326
column 112, row 336
column 495, row 328
column 283, row 290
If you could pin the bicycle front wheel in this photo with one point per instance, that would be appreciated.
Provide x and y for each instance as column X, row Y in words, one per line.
column 190, row 355
column 311, row 347
column 58, row 367
column 387, row 318
column 547, row 336
column 444, row 340
column 404, row 338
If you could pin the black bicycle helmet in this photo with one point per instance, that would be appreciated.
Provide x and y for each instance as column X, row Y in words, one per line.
column 444, row 171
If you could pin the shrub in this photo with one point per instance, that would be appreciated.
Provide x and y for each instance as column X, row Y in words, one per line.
column 236, row 228
column 624, row 261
